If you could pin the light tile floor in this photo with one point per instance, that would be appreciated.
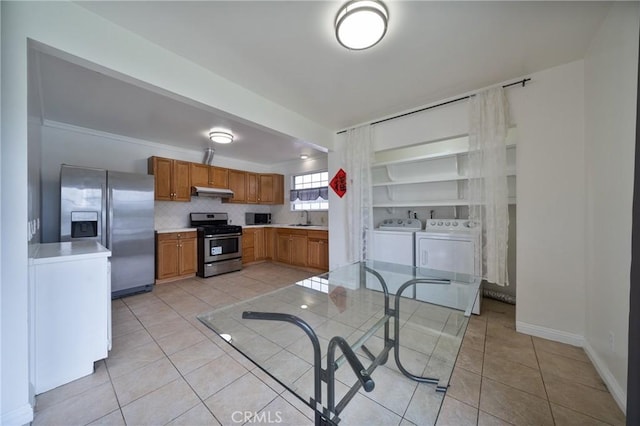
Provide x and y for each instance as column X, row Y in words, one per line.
column 167, row 368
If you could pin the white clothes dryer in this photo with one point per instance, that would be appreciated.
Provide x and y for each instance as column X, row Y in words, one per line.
column 394, row 242
column 448, row 245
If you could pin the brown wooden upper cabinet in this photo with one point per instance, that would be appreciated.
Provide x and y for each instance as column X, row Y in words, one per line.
column 199, row 174
column 209, row 176
column 256, row 188
column 252, row 188
column 172, row 178
column 237, row 183
column 218, row 177
column 271, row 189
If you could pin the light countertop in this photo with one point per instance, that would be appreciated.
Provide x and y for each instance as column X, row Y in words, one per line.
column 62, row 252
column 275, row 225
column 312, row 227
column 169, row 230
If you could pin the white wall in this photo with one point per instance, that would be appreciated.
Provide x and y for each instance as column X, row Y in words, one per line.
column 611, row 67
column 72, row 29
column 1, row 256
column 13, row 232
column 551, row 200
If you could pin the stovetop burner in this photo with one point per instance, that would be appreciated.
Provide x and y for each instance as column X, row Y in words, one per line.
column 213, row 223
column 220, row 229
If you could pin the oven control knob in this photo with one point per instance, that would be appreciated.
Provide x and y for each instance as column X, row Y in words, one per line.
column 399, row 221
column 447, row 223
column 433, row 222
column 455, row 223
column 439, row 223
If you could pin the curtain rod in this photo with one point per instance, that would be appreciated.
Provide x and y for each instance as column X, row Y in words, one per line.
column 523, row 82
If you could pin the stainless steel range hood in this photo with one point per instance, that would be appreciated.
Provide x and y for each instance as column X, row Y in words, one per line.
column 201, row 191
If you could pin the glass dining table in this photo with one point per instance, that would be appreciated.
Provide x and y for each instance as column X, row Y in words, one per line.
column 323, row 338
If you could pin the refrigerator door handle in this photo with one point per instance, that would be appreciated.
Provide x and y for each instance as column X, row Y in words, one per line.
column 110, row 219
column 103, row 217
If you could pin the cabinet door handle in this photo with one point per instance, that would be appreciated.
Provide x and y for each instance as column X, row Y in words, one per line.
column 425, row 258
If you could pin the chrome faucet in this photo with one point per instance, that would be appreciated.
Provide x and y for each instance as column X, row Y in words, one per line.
column 307, row 222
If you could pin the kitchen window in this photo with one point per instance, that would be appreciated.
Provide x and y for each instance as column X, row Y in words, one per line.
column 310, row 191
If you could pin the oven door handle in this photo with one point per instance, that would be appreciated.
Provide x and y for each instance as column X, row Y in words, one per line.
column 217, row 236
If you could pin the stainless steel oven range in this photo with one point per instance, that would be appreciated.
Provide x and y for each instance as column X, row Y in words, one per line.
column 219, row 244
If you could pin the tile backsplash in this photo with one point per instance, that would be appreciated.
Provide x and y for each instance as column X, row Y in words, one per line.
column 174, row 214
column 284, row 215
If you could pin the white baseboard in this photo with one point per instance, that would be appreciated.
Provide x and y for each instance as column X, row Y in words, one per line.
column 550, row 334
column 18, row 417
column 618, row 394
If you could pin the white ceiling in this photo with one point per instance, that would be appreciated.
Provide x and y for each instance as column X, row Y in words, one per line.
column 286, row 51
column 82, row 97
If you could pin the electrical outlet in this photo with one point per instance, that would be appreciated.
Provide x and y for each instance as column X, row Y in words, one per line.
column 612, row 341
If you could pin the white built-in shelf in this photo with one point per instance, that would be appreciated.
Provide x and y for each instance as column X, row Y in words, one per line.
column 440, row 178
column 430, row 203
column 430, row 151
column 431, row 174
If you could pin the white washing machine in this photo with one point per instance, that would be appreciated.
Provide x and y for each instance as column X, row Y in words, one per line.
column 448, row 245
column 394, row 242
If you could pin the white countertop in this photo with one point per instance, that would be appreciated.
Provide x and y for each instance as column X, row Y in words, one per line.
column 169, row 230
column 275, row 225
column 63, row 252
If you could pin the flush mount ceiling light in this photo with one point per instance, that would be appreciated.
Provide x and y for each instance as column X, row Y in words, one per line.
column 220, row 136
column 361, row 24
column 304, row 156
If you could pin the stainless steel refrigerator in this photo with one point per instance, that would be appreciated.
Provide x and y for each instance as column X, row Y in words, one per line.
column 116, row 210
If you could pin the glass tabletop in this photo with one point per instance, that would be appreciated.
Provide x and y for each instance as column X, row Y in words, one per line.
column 324, row 337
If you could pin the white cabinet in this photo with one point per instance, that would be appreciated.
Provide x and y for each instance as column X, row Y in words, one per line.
column 70, row 311
column 431, row 174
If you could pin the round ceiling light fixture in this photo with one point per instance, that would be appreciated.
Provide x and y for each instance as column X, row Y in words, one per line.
column 304, row 156
column 220, row 136
column 361, row 24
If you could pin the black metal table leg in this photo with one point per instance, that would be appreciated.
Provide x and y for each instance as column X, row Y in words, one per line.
column 396, row 346
column 317, row 366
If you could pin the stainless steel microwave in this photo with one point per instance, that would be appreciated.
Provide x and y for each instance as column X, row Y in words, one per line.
column 257, row 218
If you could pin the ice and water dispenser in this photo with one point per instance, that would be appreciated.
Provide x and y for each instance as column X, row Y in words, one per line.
column 84, row 224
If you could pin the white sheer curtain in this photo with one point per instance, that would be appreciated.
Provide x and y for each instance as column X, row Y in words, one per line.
column 358, row 155
column 488, row 193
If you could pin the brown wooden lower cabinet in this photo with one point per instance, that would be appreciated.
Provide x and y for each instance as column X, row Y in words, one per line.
column 318, row 249
column 176, row 255
column 269, row 243
column 291, row 246
column 297, row 247
column 253, row 244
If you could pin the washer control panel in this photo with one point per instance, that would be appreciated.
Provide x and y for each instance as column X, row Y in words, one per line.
column 449, row 224
column 401, row 224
